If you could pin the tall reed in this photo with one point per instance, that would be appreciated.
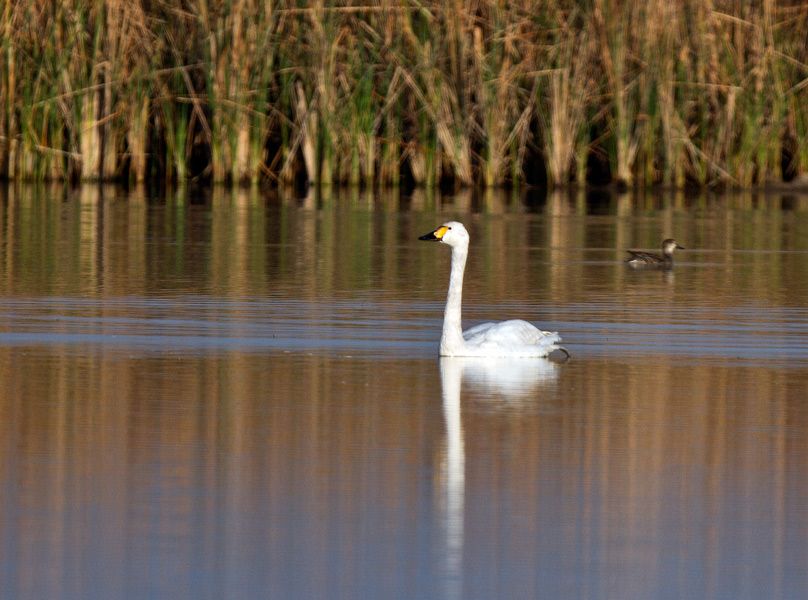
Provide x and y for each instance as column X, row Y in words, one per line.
column 565, row 91
column 671, row 92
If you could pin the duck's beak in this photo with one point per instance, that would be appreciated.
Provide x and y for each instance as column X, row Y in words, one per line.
column 678, row 247
column 434, row 236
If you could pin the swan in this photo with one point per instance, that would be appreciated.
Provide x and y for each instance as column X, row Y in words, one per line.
column 514, row 338
column 649, row 259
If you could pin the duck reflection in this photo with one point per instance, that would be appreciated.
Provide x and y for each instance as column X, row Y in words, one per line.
column 509, row 379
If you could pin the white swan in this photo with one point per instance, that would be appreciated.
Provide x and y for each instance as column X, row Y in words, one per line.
column 503, row 339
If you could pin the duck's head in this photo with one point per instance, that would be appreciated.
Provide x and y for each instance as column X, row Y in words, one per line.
column 452, row 233
column 669, row 245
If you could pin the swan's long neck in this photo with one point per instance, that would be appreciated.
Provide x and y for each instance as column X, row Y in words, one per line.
column 451, row 341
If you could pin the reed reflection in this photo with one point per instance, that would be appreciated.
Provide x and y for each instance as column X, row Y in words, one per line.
column 232, row 396
column 506, row 379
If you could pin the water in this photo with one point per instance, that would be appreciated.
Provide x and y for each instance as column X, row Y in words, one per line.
column 234, row 395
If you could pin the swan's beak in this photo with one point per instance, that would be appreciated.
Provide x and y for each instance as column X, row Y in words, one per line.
column 435, row 236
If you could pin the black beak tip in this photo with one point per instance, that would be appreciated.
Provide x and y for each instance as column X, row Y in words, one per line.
column 429, row 237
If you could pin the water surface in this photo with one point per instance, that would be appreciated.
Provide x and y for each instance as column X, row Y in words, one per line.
column 237, row 395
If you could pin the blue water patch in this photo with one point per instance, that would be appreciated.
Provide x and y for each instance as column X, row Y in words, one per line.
column 389, row 328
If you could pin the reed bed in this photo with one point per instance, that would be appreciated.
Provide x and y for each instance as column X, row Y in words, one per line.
column 380, row 92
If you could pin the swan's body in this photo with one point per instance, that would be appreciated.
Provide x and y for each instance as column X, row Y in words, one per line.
column 513, row 338
column 649, row 259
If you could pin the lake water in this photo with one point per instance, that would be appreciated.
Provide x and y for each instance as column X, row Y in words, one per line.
column 237, row 395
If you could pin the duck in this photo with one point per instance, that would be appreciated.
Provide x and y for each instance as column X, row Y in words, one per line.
column 650, row 259
column 511, row 338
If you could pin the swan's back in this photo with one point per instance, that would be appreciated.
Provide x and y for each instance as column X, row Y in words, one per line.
column 510, row 338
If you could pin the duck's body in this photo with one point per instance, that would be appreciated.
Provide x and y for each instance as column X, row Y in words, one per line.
column 650, row 259
column 514, row 338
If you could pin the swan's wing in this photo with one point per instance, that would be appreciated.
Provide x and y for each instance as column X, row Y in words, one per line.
column 477, row 330
column 512, row 334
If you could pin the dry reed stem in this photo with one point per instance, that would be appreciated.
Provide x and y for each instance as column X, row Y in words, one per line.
column 704, row 91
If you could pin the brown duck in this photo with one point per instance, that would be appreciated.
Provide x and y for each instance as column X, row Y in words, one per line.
column 650, row 259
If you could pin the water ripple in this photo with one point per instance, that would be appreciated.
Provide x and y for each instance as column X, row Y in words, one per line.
column 393, row 328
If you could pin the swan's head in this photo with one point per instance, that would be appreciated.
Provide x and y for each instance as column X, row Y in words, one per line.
column 452, row 233
column 669, row 245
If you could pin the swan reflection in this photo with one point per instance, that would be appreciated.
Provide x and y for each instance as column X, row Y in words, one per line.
column 510, row 378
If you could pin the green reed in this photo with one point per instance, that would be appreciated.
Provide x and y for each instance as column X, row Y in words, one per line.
column 338, row 92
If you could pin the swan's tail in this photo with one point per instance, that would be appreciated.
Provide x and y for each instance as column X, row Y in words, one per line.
column 555, row 339
column 566, row 352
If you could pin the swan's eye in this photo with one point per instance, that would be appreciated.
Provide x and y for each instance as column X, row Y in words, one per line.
column 449, row 228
